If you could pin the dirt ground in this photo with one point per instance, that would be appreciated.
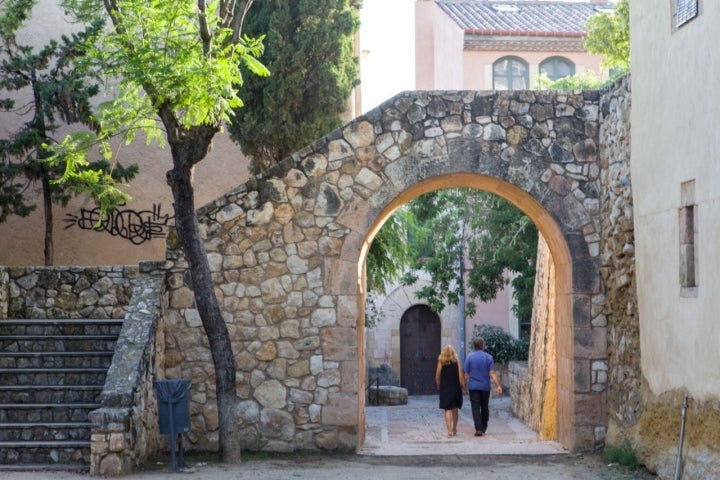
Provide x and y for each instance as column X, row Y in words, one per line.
column 358, row 467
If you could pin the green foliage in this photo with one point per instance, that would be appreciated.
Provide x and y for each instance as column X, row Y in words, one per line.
column 309, row 50
column 390, row 252
column 586, row 80
column 61, row 90
column 491, row 234
column 503, row 347
column 622, row 454
column 373, row 315
column 608, row 35
column 176, row 68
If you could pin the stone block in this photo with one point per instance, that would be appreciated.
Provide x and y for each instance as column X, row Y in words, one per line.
column 590, row 343
column 582, row 312
column 387, row 395
column 349, row 375
column 586, row 275
column 341, row 277
column 582, row 375
column 340, row 409
column 339, row 343
column 590, row 409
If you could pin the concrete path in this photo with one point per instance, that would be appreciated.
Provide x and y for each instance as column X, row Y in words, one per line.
column 418, row 428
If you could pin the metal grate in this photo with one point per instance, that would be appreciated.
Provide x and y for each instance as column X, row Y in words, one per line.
column 685, row 10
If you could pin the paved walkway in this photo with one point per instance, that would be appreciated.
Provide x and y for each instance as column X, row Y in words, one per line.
column 418, row 428
column 405, row 441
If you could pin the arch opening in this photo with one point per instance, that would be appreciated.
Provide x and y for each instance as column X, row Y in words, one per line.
column 560, row 291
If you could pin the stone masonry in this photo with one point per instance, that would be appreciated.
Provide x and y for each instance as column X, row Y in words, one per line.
column 287, row 248
column 125, row 432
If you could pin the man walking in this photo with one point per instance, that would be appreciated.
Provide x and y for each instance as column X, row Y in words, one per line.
column 478, row 369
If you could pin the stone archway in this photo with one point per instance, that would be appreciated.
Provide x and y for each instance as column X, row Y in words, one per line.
column 287, row 251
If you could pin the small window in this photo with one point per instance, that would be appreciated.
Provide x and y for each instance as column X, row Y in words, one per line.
column 557, row 67
column 510, row 73
column 687, row 223
column 683, row 11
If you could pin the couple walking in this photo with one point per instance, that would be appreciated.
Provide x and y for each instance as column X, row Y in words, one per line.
column 473, row 377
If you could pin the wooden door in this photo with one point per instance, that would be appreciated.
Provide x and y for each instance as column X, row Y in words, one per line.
column 419, row 349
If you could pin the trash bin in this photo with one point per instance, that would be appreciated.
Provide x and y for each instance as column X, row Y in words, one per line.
column 173, row 397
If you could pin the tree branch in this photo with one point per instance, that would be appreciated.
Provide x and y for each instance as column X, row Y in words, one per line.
column 240, row 12
column 226, row 9
column 205, row 35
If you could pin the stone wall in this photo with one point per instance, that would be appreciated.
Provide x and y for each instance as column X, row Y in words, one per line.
column 286, row 252
column 618, row 263
column 65, row 292
column 533, row 384
column 127, row 434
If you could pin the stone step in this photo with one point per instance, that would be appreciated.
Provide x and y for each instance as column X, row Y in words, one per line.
column 46, row 412
column 46, row 432
column 56, row 359
column 70, row 326
column 50, row 393
column 52, row 376
column 51, row 452
column 73, row 343
column 52, row 372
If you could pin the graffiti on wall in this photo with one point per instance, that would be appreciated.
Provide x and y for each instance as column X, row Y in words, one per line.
column 137, row 226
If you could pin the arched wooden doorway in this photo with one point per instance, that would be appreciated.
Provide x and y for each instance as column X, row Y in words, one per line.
column 419, row 349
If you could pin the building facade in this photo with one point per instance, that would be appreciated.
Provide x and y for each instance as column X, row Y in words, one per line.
column 492, row 45
column 675, row 166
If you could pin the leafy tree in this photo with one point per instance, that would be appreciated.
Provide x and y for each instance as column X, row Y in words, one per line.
column 608, row 35
column 503, row 347
column 60, row 93
column 176, row 65
column 390, row 252
column 309, row 50
column 389, row 255
column 586, row 80
column 493, row 237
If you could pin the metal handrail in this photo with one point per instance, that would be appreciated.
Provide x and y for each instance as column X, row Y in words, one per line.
column 377, row 389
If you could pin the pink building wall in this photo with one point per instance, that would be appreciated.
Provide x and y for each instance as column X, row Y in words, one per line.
column 443, row 64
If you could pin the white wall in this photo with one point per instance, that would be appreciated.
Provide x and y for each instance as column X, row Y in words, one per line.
column 387, row 50
column 675, row 120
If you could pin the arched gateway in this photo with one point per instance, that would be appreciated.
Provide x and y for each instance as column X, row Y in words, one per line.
column 287, row 251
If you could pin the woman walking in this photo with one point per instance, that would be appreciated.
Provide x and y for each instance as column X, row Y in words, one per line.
column 451, row 385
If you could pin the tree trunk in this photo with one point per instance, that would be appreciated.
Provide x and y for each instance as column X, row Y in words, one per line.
column 47, row 208
column 180, row 180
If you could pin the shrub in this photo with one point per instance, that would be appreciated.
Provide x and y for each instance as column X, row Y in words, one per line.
column 501, row 345
column 622, row 454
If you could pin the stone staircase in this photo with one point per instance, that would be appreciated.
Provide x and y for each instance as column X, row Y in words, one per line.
column 52, row 373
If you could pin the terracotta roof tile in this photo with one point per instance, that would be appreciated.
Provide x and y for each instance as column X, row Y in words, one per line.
column 524, row 17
